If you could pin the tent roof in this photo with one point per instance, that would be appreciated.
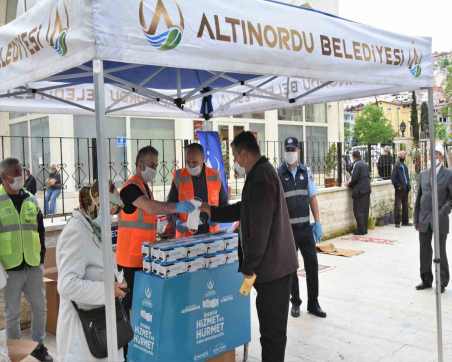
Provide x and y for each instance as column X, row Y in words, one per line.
column 168, row 50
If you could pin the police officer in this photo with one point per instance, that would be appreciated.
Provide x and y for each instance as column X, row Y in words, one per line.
column 300, row 192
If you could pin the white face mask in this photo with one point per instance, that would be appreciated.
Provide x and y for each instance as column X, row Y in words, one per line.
column 149, row 174
column 18, row 183
column 239, row 170
column 194, row 171
column 291, row 157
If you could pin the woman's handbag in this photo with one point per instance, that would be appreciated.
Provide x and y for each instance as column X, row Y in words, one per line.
column 94, row 326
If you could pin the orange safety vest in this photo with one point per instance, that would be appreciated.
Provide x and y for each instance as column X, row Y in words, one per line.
column 184, row 185
column 133, row 229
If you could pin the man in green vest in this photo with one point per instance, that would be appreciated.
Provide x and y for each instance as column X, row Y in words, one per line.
column 22, row 251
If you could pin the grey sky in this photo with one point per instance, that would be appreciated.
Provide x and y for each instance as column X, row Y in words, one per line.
column 411, row 17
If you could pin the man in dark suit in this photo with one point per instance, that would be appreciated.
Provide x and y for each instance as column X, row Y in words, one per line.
column 360, row 185
column 385, row 164
column 401, row 180
column 267, row 253
column 423, row 219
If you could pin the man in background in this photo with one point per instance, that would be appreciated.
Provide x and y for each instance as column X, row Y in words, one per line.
column 385, row 163
column 360, row 185
column 401, row 181
column 54, row 187
column 423, row 220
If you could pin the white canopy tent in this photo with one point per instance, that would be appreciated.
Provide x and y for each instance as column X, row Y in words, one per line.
column 168, row 56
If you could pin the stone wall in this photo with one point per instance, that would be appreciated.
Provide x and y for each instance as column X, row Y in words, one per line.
column 336, row 207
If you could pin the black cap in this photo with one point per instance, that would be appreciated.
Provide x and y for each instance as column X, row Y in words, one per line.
column 291, row 143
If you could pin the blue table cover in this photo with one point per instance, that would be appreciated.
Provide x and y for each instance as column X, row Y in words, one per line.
column 193, row 317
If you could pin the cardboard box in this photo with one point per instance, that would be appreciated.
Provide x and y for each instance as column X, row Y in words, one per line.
column 225, row 357
column 53, row 302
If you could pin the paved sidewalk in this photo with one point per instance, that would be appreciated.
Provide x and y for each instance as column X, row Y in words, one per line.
column 374, row 311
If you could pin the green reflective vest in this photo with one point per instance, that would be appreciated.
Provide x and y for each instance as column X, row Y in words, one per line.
column 19, row 237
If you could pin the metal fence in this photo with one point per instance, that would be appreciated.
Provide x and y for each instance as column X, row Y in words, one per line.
column 76, row 162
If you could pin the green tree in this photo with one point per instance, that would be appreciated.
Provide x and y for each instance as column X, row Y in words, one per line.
column 372, row 127
column 424, row 120
column 414, row 120
column 447, row 109
column 441, row 131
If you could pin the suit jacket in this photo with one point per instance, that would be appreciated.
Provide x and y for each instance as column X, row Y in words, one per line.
column 423, row 208
column 267, row 246
column 360, row 182
column 397, row 178
column 384, row 166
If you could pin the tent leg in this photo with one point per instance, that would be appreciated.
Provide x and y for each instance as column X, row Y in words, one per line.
column 110, row 310
column 435, row 220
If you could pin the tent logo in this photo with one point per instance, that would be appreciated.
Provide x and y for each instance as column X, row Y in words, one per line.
column 58, row 28
column 169, row 35
column 414, row 63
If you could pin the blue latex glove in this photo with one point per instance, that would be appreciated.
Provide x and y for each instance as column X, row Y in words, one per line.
column 317, row 231
column 181, row 226
column 184, row 207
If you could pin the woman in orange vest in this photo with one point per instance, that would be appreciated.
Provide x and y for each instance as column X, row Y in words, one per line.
column 138, row 217
column 200, row 182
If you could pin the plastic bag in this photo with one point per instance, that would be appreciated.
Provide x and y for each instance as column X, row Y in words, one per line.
column 194, row 217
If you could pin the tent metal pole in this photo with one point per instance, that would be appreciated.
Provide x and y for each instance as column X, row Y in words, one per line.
column 110, row 310
column 45, row 95
column 433, row 178
column 323, row 85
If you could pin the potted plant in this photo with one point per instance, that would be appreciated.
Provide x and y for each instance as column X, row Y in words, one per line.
column 330, row 166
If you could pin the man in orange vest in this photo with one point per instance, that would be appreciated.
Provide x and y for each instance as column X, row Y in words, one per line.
column 138, row 217
column 200, row 182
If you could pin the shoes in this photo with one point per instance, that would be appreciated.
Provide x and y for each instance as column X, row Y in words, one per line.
column 41, row 353
column 443, row 289
column 359, row 233
column 423, row 286
column 295, row 311
column 397, row 226
column 409, row 224
column 316, row 310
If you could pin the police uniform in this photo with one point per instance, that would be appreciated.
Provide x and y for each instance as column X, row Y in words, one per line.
column 298, row 189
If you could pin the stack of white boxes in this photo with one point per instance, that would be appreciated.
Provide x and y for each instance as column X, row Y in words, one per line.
column 190, row 254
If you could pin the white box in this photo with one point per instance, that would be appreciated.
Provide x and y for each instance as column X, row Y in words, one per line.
column 232, row 256
column 195, row 264
column 147, row 265
column 169, row 269
column 214, row 261
column 231, row 243
column 195, row 249
column 146, row 249
column 214, row 246
column 169, row 253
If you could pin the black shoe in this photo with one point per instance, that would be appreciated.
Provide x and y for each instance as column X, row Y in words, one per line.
column 359, row 233
column 423, row 286
column 443, row 289
column 295, row 311
column 397, row 226
column 41, row 353
column 317, row 311
column 409, row 224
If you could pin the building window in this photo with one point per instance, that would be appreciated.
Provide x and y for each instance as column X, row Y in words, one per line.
column 294, row 114
column 11, row 10
column 253, row 115
column 19, row 141
column 316, row 113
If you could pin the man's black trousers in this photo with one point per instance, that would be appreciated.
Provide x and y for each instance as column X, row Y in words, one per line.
column 361, row 206
column 401, row 200
column 272, row 305
column 426, row 256
column 304, row 240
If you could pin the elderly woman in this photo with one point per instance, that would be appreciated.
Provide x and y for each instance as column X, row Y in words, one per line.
column 80, row 277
